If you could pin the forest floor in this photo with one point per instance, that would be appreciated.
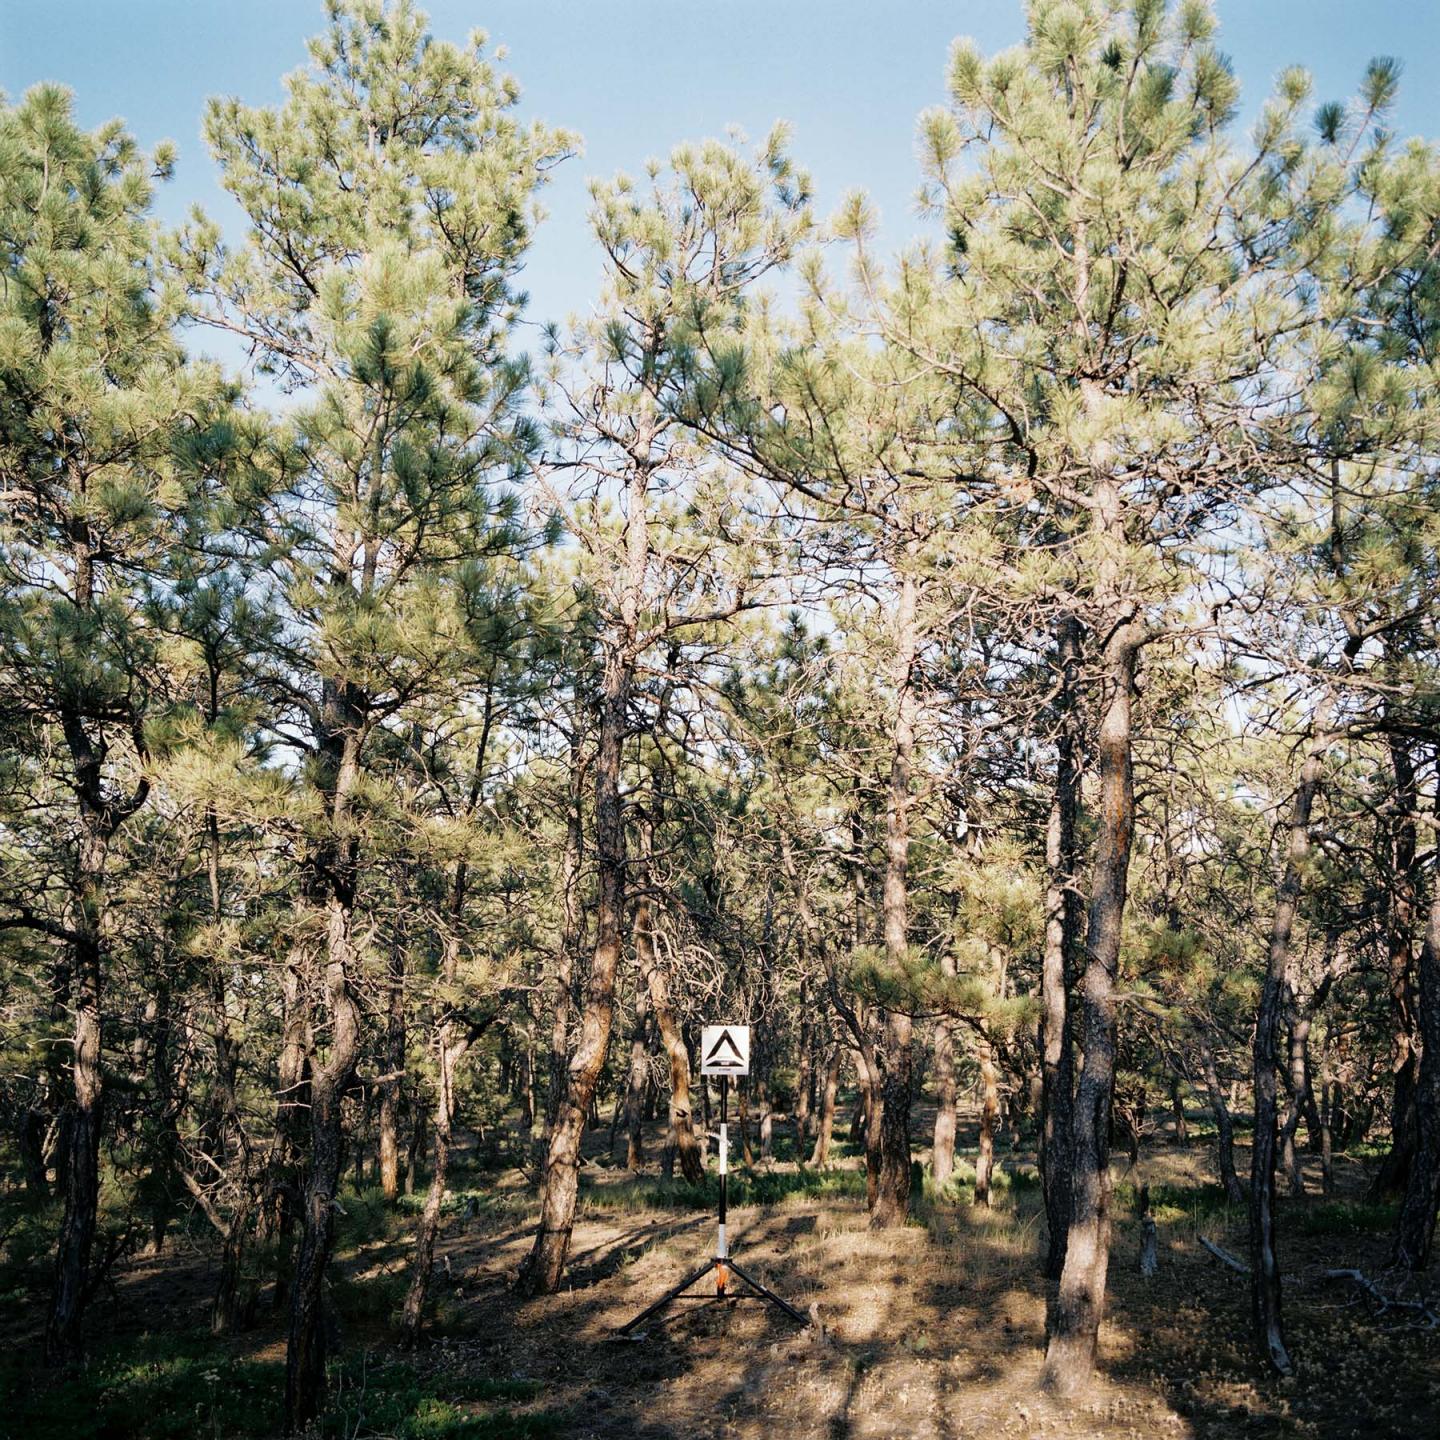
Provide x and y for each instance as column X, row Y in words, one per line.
column 932, row 1330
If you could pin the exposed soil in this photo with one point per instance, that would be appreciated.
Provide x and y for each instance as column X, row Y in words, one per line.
column 934, row 1330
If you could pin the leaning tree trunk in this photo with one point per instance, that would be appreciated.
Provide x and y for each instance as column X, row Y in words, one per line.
column 1075, row 1311
column 1415, row 1229
column 1265, row 1315
column 1062, row 928
column 892, row 1194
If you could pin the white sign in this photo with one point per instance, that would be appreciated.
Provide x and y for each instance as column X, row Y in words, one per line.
column 725, row 1050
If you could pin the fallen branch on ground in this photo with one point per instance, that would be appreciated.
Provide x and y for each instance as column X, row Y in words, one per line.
column 1379, row 1303
column 1224, row 1256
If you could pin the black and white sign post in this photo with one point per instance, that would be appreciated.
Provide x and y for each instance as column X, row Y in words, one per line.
column 724, row 1052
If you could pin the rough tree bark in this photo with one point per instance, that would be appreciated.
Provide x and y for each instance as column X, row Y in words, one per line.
column 989, row 1116
column 942, row 1153
column 1075, row 1310
column 684, row 1143
column 389, row 1120
column 81, row 984
column 892, row 1192
column 1062, row 929
column 1224, row 1125
column 1393, row 1175
column 1265, row 1314
column 545, row 1263
column 329, row 1080
column 305, row 1353
column 820, row 1155
column 569, row 939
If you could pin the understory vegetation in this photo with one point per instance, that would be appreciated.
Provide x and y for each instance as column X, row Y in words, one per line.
column 1002, row 674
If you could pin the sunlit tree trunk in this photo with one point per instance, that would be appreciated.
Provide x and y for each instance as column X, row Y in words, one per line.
column 1075, row 1311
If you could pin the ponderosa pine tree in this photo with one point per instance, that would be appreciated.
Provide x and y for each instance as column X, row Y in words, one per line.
column 103, row 447
column 390, row 200
column 1115, row 284
column 656, row 570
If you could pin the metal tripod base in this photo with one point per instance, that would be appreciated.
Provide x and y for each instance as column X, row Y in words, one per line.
column 675, row 1293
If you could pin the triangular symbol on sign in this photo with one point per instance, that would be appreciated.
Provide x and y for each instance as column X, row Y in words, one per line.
column 726, row 1041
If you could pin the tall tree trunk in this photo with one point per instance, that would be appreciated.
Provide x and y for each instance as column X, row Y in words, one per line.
column 1391, row 1178
column 1076, row 1309
column 545, row 1264
column 1265, row 1315
column 1057, row 977
column 820, row 1155
column 684, row 1143
column 330, row 1080
column 292, row 1107
column 563, row 961
column 305, row 1353
column 638, row 1079
column 80, row 1164
column 389, row 1138
column 451, row 1043
column 804, row 1070
column 989, row 1117
column 892, row 1197
column 942, row 1153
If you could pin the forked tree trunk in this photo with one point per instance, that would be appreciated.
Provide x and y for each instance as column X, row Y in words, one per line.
column 1265, row 1314
column 1075, row 1312
column 1062, row 929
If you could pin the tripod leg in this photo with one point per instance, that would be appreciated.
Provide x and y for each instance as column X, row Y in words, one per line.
column 667, row 1297
column 768, row 1294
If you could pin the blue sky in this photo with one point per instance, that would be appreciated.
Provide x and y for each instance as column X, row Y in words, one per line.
column 636, row 76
